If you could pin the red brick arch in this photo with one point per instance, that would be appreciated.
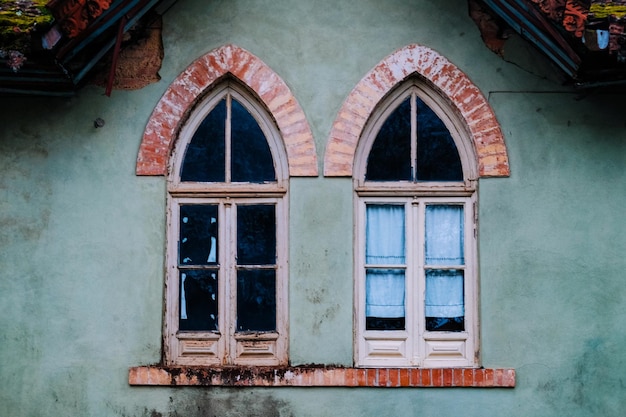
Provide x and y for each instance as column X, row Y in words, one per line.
column 487, row 138
column 171, row 110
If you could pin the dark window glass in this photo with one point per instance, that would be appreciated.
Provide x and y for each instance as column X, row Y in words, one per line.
column 445, row 324
column 205, row 155
column 198, row 300
column 384, row 323
column 437, row 156
column 198, row 235
column 251, row 157
column 390, row 156
column 256, row 234
column 256, row 300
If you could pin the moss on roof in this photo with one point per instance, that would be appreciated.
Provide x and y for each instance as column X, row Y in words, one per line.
column 604, row 10
column 18, row 20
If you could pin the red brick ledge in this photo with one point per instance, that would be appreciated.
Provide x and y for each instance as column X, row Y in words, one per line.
column 303, row 376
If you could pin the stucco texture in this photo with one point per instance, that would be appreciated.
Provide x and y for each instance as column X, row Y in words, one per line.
column 82, row 238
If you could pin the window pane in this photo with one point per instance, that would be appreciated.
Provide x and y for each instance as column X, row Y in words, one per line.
column 256, row 300
column 205, row 155
column 444, row 235
column 437, row 156
column 390, row 156
column 256, row 234
column 198, row 235
column 251, row 156
column 198, row 300
column 384, row 299
column 445, row 307
column 384, row 234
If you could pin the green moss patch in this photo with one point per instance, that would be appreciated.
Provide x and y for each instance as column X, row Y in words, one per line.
column 18, row 20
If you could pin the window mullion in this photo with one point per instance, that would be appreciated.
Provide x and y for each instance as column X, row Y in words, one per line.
column 281, row 270
column 227, row 139
column 470, row 276
column 227, row 260
column 413, row 137
column 172, row 320
column 418, row 276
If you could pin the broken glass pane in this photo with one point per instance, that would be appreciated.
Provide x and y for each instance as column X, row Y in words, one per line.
column 437, row 156
column 251, row 159
column 445, row 306
column 256, row 234
column 198, row 300
column 390, row 156
column 205, row 155
column 256, row 300
column 384, row 299
column 198, row 235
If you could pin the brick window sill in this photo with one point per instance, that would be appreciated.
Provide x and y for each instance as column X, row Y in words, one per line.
column 321, row 376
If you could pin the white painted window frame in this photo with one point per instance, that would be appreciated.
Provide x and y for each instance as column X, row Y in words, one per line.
column 416, row 347
column 227, row 346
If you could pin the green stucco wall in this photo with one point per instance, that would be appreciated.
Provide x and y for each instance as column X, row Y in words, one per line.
column 82, row 237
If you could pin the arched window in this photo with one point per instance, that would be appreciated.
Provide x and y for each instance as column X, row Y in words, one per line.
column 226, row 297
column 416, row 270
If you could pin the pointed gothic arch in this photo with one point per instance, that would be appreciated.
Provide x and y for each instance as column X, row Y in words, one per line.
column 174, row 106
column 452, row 83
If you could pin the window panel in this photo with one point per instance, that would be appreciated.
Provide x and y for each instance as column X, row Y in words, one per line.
column 198, row 300
column 390, row 156
column 444, row 235
column 437, row 156
column 251, row 156
column 198, row 235
column 205, row 155
column 385, row 288
column 256, row 234
column 384, row 299
column 445, row 306
column 385, row 235
column 256, row 300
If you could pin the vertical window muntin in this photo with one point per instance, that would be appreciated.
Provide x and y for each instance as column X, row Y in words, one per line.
column 416, row 345
column 225, row 344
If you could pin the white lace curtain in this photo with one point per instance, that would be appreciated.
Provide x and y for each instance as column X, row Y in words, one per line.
column 385, row 245
column 444, row 247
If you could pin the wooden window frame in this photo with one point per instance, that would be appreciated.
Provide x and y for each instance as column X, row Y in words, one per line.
column 415, row 347
column 226, row 347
